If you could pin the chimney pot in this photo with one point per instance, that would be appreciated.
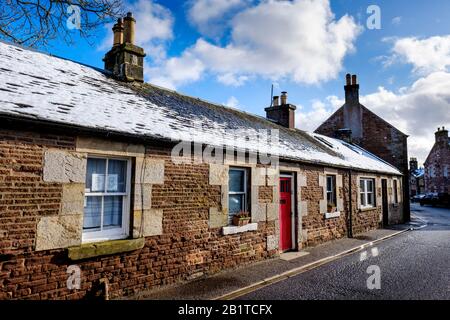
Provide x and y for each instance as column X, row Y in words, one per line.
column 348, row 79
column 129, row 28
column 354, row 80
column 118, row 33
column 275, row 101
column 283, row 98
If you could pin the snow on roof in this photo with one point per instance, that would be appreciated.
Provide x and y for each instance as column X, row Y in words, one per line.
column 418, row 172
column 38, row 86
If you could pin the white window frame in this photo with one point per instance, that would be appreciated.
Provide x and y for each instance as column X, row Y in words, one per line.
column 333, row 188
column 366, row 193
column 395, row 190
column 244, row 193
column 114, row 233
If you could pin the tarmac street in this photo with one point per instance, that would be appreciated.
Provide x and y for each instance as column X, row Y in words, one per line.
column 413, row 265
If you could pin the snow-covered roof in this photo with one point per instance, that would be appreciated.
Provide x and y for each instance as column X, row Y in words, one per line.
column 42, row 87
column 418, row 172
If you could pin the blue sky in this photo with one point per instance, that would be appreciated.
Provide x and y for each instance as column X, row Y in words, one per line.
column 232, row 51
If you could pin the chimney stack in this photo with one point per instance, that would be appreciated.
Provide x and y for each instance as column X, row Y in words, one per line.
column 351, row 89
column 413, row 164
column 352, row 108
column 125, row 60
column 442, row 135
column 283, row 113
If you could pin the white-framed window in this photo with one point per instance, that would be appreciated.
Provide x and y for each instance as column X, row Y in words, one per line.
column 331, row 192
column 107, row 199
column 367, row 192
column 395, row 191
column 237, row 192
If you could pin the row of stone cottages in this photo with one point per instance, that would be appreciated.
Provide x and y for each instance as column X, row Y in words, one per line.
column 87, row 179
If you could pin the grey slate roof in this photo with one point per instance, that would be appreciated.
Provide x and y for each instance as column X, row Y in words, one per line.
column 38, row 86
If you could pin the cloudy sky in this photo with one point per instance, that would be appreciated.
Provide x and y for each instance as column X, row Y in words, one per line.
column 232, row 51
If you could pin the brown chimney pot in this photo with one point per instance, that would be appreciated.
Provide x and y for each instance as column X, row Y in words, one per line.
column 283, row 98
column 129, row 28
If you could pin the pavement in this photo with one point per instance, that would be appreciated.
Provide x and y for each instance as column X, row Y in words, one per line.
column 267, row 279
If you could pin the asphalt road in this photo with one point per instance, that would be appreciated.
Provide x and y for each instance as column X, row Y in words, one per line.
column 414, row 265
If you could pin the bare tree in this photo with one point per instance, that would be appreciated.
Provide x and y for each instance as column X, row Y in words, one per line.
column 36, row 22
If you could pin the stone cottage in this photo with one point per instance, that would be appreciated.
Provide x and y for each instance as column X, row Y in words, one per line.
column 355, row 122
column 437, row 164
column 125, row 186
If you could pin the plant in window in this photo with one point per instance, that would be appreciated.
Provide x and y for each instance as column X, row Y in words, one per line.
column 241, row 219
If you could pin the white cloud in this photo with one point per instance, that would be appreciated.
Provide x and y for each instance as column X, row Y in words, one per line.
column 177, row 71
column 425, row 55
column 296, row 40
column 319, row 112
column 396, row 21
column 210, row 16
column 154, row 25
column 231, row 79
column 232, row 102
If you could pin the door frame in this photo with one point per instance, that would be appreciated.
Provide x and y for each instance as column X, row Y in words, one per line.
column 291, row 176
column 384, row 202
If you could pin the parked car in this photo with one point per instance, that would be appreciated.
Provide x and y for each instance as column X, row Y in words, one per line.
column 436, row 199
column 417, row 197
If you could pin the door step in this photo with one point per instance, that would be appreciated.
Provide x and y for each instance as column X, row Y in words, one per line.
column 288, row 256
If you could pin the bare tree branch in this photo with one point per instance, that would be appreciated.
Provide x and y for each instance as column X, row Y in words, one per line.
column 37, row 22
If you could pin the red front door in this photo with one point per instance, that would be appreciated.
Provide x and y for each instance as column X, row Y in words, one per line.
column 285, row 214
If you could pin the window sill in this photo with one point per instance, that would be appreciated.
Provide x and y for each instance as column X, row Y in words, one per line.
column 97, row 249
column 367, row 209
column 235, row 229
column 331, row 215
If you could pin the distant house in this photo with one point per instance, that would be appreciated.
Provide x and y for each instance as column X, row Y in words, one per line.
column 356, row 123
column 125, row 181
column 416, row 178
column 437, row 164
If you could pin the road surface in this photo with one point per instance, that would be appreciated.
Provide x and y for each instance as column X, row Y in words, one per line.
column 414, row 265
